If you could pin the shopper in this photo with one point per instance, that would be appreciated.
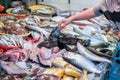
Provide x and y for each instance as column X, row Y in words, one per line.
column 110, row 8
column 17, row 3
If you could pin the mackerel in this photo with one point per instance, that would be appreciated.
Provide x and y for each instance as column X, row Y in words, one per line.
column 86, row 53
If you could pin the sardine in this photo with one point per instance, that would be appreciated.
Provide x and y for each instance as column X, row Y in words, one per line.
column 13, row 40
column 20, row 40
column 86, row 53
column 81, row 62
column 4, row 42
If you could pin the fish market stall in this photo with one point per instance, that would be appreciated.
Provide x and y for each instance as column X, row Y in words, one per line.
column 33, row 48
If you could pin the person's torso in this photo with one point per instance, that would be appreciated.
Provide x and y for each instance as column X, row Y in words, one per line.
column 111, row 10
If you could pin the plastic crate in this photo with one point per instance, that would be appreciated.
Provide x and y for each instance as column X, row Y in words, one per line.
column 114, row 72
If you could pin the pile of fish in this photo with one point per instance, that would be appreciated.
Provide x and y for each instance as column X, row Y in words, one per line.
column 73, row 53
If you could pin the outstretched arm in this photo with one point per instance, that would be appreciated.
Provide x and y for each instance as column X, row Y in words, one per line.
column 86, row 14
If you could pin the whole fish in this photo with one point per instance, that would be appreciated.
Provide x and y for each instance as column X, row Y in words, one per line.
column 38, row 29
column 11, row 68
column 80, row 62
column 86, row 53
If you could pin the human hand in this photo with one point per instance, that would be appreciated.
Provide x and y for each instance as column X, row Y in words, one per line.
column 64, row 22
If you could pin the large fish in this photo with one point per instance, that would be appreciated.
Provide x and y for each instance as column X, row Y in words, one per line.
column 81, row 62
column 38, row 29
column 11, row 68
column 86, row 53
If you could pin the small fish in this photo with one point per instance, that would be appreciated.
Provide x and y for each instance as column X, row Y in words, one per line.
column 36, row 19
column 12, row 40
column 35, row 35
column 80, row 62
column 20, row 40
column 4, row 41
column 86, row 53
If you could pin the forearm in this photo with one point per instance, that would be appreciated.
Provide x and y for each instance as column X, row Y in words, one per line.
column 87, row 14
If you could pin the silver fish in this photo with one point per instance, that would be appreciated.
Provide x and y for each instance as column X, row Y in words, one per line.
column 12, row 39
column 70, row 32
column 85, row 52
column 20, row 40
column 11, row 68
column 81, row 62
column 38, row 29
column 4, row 41
column 35, row 34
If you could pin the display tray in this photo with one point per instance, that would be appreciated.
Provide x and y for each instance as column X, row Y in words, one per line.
column 9, row 11
column 43, row 9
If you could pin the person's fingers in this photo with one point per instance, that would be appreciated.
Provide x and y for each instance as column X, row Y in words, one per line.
column 61, row 23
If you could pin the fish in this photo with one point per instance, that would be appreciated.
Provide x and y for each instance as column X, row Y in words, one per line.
column 11, row 68
column 35, row 35
column 65, row 77
column 80, row 32
column 38, row 29
column 54, row 71
column 60, row 63
column 84, row 75
column 46, row 77
column 99, row 53
column 70, row 32
column 81, row 62
column 86, row 53
column 12, row 40
column 72, row 72
column 36, row 19
column 4, row 41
